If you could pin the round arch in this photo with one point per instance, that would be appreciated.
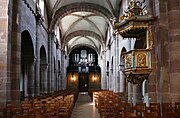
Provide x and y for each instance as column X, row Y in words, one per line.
column 82, row 33
column 43, row 70
column 43, row 55
column 122, row 81
column 74, row 7
column 84, row 45
column 27, row 60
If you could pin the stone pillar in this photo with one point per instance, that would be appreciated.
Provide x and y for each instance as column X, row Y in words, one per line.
column 137, row 95
column 103, row 71
column 30, row 76
column 122, row 79
column 43, row 78
column 14, row 47
column 59, row 79
column 37, row 77
column 129, row 90
column 37, row 68
column 52, row 64
column 160, row 84
column 64, row 77
column 174, row 47
column 49, row 61
column 3, row 51
column 115, row 61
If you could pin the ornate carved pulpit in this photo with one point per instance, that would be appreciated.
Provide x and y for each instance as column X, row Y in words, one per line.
column 136, row 23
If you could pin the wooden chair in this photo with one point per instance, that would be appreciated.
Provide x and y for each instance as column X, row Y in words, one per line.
column 64, row 111
column 129, row 110
column 37, row 109
column 16, row 112
column 119, row 112
column 130, row 115
column 140, row 109
column 52, row 110
column 26, row 108
column 177, row 108
column 153, row 111
column 167, row 109
column 3, row 113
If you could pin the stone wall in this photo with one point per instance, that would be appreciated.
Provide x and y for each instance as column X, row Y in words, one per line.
column 166, row 55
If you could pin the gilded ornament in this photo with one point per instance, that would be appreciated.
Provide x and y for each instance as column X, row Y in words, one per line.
column 141, row 60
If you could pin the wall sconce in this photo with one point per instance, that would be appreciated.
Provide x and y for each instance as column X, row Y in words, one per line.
column 72, row 74
column 73, row 80
column 72, row 77
column 94, row 77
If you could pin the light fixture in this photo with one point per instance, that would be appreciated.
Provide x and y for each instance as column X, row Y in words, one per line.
column 94, row 77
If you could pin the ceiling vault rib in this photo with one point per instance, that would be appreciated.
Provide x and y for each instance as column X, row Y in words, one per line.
column 71, row 27
column 89, row 21
column 75, row 41
column 91, row 41
column 74, row 7
column 111, row 7
column 82, row 33
column 79, row 45
column 95, row 27
column 70, row 46
column 54, row 8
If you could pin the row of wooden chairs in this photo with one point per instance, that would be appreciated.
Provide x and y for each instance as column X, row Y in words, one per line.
column 111, row 105
column 54, row 106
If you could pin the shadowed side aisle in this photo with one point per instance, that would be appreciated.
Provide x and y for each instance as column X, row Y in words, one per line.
column 84, row 107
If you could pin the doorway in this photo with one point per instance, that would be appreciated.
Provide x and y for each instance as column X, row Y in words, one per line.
column 83, row 83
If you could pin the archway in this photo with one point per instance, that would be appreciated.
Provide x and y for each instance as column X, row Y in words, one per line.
column 27, row 65
column 43, row 70
column 83, row 71
column 107, row 74
column 145, row 92
column 122, row 87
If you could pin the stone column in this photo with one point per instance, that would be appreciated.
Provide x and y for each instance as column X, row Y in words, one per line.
column 103, row 71
column 159, row 86
column 115, row 65
column 174, row 48
column 37, row 68
column 43, row 78
column 122, row 79
column 59, row 79
column 129, row 90
column 137, row 95
column 49, row 61
column 37, row 77
column 14, row 47
column 52, row 64
column 3, row 51
column 63, row 77
column 30, row 76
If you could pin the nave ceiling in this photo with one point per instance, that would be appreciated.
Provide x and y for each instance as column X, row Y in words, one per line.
column 83, row 22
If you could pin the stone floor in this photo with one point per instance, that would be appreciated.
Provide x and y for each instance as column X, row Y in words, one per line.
column 84, row 107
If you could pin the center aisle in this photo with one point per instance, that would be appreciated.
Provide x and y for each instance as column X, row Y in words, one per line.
column 84, row 107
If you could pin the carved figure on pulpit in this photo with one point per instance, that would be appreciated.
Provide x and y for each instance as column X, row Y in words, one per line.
column 141, row 60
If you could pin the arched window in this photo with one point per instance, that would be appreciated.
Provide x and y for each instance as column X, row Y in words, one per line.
column 145, row 87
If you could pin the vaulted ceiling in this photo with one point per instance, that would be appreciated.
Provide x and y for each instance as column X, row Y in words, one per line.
column 83, row 22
